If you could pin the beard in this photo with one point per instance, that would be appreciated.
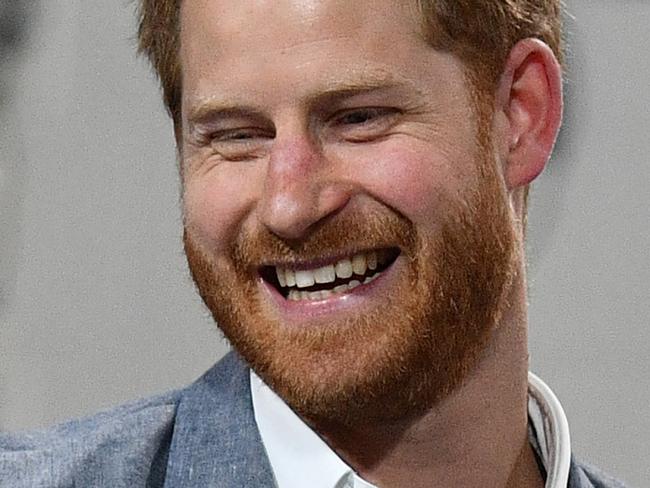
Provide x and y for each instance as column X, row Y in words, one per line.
column 390, row 363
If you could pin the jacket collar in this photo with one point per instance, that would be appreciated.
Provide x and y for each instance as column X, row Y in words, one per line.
column 215, row 440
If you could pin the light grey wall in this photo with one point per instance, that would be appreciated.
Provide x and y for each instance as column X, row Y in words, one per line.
column 590, row 242
column 99, row 307
column 96, row 306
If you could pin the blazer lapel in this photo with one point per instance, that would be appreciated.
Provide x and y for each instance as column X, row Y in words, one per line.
column 215, row 441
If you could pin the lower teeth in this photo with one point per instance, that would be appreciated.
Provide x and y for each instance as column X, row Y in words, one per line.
column 296, row 295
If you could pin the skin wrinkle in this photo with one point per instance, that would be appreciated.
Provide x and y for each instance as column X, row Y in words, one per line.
column 200, row 108
column 500, row 24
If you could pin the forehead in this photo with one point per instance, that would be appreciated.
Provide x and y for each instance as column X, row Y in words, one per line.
column 242, row 43
column 295, row 21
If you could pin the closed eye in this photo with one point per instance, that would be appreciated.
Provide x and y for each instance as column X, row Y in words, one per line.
column 363, row 116
column 244, row 134
column 239, row 143
column 364, row 124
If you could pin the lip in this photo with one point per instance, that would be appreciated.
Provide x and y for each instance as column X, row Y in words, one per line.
column 325, row 261
column 363, row 297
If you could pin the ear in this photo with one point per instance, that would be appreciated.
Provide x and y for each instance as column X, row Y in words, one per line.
column 529, row 97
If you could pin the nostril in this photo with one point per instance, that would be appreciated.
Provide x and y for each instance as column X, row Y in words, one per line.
column 289, row 216
column 291, row 207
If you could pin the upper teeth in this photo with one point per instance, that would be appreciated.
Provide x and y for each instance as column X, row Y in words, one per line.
column 345, row 268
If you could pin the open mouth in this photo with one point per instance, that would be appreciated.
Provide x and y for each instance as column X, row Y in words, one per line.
column 338, row 277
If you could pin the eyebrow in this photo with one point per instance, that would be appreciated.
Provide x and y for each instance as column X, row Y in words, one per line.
column 213, row 107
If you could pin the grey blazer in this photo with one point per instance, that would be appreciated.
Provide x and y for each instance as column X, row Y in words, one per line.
column 202, row 436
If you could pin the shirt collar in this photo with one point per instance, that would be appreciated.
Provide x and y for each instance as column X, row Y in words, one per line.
column 308, row 461
column 298, row 456
column 549, row 431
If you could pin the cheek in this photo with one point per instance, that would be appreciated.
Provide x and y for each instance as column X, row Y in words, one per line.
column 416, row 181
column 215, row 205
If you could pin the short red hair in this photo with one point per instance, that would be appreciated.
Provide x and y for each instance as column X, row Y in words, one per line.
column 480, row 32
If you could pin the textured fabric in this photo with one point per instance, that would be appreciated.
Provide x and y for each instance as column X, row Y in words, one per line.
column 583, row 475
column 216, row 442
column 124, row 447
column 203, row 436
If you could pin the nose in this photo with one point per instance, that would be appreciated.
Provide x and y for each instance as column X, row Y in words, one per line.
column 300, row 188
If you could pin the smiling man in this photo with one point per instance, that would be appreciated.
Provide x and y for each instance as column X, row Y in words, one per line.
column 354, row 192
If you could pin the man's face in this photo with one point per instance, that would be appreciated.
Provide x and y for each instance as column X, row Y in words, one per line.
column 327, row 142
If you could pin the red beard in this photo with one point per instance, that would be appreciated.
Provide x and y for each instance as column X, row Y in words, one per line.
column 396, row 361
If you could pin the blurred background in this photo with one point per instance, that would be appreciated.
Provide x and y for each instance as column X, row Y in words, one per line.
column 96, row 304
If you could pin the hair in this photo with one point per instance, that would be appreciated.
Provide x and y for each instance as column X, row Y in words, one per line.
column 480, row 32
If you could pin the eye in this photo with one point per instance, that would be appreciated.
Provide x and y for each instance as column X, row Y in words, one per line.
column 364, row 124
column 236, row 135
column 362, row 116
column 239, row 144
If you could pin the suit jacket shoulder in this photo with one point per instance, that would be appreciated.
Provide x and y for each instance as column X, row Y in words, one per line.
column 204, row 435
column 101, row 450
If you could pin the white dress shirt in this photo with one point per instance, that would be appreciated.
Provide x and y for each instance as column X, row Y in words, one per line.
column 300, row 458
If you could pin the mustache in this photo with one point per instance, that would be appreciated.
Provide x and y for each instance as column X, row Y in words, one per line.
column 342, row 234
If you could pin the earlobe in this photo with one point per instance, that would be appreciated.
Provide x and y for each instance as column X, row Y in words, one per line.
column 530, row 97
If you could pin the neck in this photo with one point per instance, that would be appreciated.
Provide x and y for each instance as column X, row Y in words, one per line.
column 476, row 437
